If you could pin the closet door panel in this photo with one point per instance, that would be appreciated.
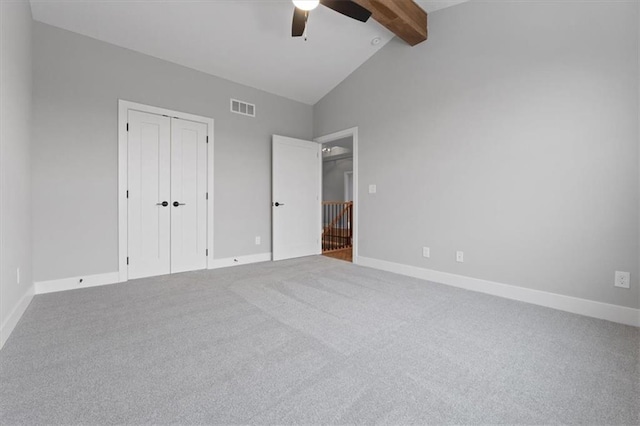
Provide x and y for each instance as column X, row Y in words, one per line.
column 149, row 165
column 188, row 195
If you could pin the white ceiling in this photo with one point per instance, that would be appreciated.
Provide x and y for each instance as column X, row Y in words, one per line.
column 246, row 41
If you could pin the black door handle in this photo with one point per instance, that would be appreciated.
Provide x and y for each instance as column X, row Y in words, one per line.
column 278, row 204
column 163, row 204
column 176, row 204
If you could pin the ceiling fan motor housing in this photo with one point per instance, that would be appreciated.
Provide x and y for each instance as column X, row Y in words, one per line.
column 347, row 8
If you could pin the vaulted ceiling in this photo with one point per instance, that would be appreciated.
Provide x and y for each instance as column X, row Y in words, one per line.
column 245, row 41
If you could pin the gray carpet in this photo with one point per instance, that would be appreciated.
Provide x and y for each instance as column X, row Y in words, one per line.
column 311, row 340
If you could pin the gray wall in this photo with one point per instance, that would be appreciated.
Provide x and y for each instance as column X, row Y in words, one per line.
column 511, row 134
column 78, row 81
column 15, row 143
column 333, row 178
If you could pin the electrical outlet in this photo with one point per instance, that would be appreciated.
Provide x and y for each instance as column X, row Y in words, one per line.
column 18, row 275
column 258, row 241
column 622, row 279
column 426, row 252
column 459, row 256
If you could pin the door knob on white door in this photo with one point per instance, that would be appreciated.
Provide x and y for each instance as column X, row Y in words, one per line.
column 163, row 204
column 176, row 204
column 277, row 204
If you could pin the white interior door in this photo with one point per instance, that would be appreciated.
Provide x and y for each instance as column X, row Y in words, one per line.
column 149, row 174
column 188, row 195
column 296, row 198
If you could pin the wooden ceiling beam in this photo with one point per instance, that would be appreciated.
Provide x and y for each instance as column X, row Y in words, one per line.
column 404, row 18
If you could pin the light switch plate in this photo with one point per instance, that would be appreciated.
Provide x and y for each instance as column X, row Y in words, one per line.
column 426, row 252
column 372, row 189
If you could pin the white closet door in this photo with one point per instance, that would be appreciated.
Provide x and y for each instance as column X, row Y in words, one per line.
column 188, row 195
column 149, row 166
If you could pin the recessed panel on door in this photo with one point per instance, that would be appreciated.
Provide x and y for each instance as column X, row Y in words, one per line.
column 149, row 174
column 188, row 195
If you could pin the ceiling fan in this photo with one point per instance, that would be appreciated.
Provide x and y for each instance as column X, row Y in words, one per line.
column 303, row 7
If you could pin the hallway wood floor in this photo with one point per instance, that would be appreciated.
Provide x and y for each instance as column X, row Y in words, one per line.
column 344, row 254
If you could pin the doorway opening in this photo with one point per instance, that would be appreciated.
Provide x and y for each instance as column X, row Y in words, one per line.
column 298, row 202
column 337, row 198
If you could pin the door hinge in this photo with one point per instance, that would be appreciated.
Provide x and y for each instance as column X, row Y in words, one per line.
column 127, row 260
column 207, row 252
column 207, row 139
column 127, row 193
column 207, row 196
column 127, row 127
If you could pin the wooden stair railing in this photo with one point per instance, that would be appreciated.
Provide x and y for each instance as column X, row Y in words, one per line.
column 340, row 215
column 337, row 232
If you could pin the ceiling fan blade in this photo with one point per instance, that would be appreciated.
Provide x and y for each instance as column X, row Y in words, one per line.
column 299, row 22
column 348, row 8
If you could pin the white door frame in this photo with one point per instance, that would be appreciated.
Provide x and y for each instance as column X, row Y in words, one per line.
column 123, row 110
column 353, row 132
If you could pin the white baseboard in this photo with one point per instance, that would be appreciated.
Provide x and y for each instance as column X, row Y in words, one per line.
column 606, row 311
column 74, row 283
column 12, row 320
column 240, row 260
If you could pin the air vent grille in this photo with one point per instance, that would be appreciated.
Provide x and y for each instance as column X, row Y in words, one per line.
column 243, row 108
